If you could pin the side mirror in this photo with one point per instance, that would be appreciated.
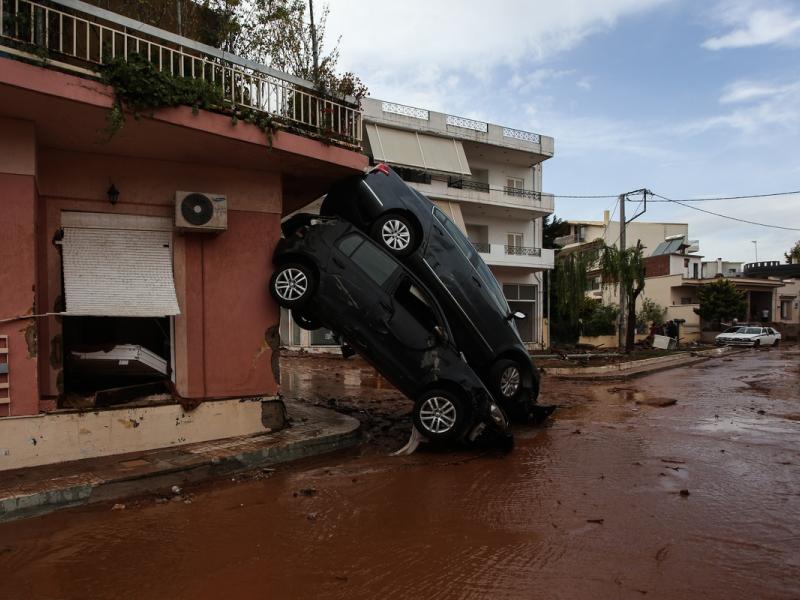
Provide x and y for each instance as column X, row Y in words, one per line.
column 516, row 315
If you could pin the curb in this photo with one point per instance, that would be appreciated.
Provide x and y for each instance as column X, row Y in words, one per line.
column 314, row 431
column 640, row 367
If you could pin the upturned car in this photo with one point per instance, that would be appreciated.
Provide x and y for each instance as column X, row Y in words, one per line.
column 330, row 274
column 410, row 227
column 748, row 336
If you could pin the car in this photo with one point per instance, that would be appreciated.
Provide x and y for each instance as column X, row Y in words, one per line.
column 748, row 336
column 409, row 226
column 330, row 274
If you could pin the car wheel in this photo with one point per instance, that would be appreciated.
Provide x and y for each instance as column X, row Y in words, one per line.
column 440, row 415
column 757, row 343
column 507, row 379
column 776, row 342
column 304, row 322
column 396, row 233
column 292, row 284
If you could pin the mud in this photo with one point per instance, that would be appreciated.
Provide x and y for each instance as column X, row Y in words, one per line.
column 616, row 499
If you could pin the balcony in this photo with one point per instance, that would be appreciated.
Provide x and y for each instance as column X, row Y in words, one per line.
column 461, row 183
column 501, row 255
column 80, row 38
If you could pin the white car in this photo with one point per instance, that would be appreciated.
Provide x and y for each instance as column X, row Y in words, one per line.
column 748, row 336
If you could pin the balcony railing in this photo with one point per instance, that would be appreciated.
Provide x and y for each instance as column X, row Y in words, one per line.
column 73, row 35
column 520, row 193
column 467, row 184
column 482, row 247
column 523, row 251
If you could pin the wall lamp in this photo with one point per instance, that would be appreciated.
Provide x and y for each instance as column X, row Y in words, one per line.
column 113, row 194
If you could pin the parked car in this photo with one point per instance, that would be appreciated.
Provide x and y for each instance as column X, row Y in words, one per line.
column 748, row 336
column 330, row 274
column 410, row 227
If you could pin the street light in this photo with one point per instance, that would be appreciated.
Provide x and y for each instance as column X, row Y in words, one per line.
column 755, row 243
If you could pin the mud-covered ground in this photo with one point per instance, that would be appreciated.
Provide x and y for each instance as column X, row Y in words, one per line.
column 681, row 484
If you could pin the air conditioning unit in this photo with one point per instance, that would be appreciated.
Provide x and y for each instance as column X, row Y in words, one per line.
column 199, row 211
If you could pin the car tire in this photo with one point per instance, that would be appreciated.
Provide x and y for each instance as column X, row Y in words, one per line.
column 507, row 380
column 440, row 415
column 304, row 322
column 757, row 344
column 292, row 285
column 396, row 233
column 776, row 343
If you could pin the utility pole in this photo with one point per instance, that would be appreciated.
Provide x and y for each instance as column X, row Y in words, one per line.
column 314, row 45
column 621, row 329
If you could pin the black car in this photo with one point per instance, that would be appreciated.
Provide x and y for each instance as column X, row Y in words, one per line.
column 330, row 274
column 409, row 226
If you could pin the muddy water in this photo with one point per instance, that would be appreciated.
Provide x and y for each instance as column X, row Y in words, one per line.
column 590, row 507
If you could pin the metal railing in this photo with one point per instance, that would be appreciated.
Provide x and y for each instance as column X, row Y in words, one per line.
column 482, row 248
column 467, row 184
column 521, row 193
column 79, row 37
column 523, row 251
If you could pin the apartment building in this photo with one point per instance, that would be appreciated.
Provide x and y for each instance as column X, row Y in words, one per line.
column 487, row 178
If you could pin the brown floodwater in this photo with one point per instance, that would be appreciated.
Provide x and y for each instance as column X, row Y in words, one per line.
column 587, row 507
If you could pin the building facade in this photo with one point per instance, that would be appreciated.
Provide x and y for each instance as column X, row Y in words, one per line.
column 488, row 179
column 99, row 250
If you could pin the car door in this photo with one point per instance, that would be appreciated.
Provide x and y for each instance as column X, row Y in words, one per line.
column 768, row 337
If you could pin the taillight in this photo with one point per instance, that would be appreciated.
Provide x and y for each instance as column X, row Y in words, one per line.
column 382, row 167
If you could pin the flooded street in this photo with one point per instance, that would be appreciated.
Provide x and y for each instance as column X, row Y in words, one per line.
column 624, row 494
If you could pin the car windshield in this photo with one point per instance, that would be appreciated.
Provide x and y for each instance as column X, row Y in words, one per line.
column 751, row 330
column 474, row 258
column 733, row 329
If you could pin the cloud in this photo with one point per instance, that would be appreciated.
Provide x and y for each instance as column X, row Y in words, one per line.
column 761, row 107
column 754, row 26
column 585, row 83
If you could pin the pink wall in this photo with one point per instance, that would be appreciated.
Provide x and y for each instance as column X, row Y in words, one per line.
column 220, row 279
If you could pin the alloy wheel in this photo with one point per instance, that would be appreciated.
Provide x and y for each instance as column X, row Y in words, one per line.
column 509, row 381
column 291, row 284
column 437, row 414
column 396, row 235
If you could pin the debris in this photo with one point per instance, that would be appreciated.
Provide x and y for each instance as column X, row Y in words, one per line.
column 659, row 402
column 761, row 412
column 176, row 489
column 312, row 516
column 308, row 492
column 684, row 493
column 161, row 500
column 177, row 498
column 598, row 521
column 187, row 501
column 118, row 507
column 576, row 432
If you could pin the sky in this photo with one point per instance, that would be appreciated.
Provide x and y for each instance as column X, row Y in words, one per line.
column 686, row 98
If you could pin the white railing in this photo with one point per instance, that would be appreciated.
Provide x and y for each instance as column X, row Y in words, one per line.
column 519, row 134
column 465, row 123
column 531, row 258
column 76, row 36
column 405, row 110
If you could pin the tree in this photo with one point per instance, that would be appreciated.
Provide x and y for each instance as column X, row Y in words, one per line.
column 793, row 255
column 553, row 227
column 625, row 268
column 650, row 313
column 276, row 33
column 721, row 301
column 569, row 295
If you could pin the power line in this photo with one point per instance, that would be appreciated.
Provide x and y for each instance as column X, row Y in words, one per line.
column 725, row 197
column 665, row 199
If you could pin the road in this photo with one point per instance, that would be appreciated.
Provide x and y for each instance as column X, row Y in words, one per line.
column 590, row 506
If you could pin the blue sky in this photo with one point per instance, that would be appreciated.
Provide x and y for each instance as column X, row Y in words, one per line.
column 686, row 98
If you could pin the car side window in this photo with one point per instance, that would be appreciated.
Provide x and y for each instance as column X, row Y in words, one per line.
column 377, row 265
column 460, row 239
column 416, row 302
column 349, row 243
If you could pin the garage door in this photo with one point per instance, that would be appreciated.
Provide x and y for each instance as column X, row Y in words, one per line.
column 118, row 272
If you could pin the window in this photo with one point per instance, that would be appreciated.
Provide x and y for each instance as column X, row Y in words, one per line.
column 516, row 291
column 515, row 186
column 686, row 300
column 731, row 270
column 377, row 265
column 417, row 303
column 516, row 240
column 685, row 262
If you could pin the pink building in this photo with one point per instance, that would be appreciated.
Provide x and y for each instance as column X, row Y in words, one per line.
column 88, row 234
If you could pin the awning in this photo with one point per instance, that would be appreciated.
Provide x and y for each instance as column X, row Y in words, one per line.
column 118, row 272
column 417, row 150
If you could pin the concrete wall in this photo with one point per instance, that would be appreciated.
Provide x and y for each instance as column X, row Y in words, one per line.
column 18, row 265
column 48, row 438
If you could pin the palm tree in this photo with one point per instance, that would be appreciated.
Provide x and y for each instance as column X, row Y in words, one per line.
column 625, row 268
